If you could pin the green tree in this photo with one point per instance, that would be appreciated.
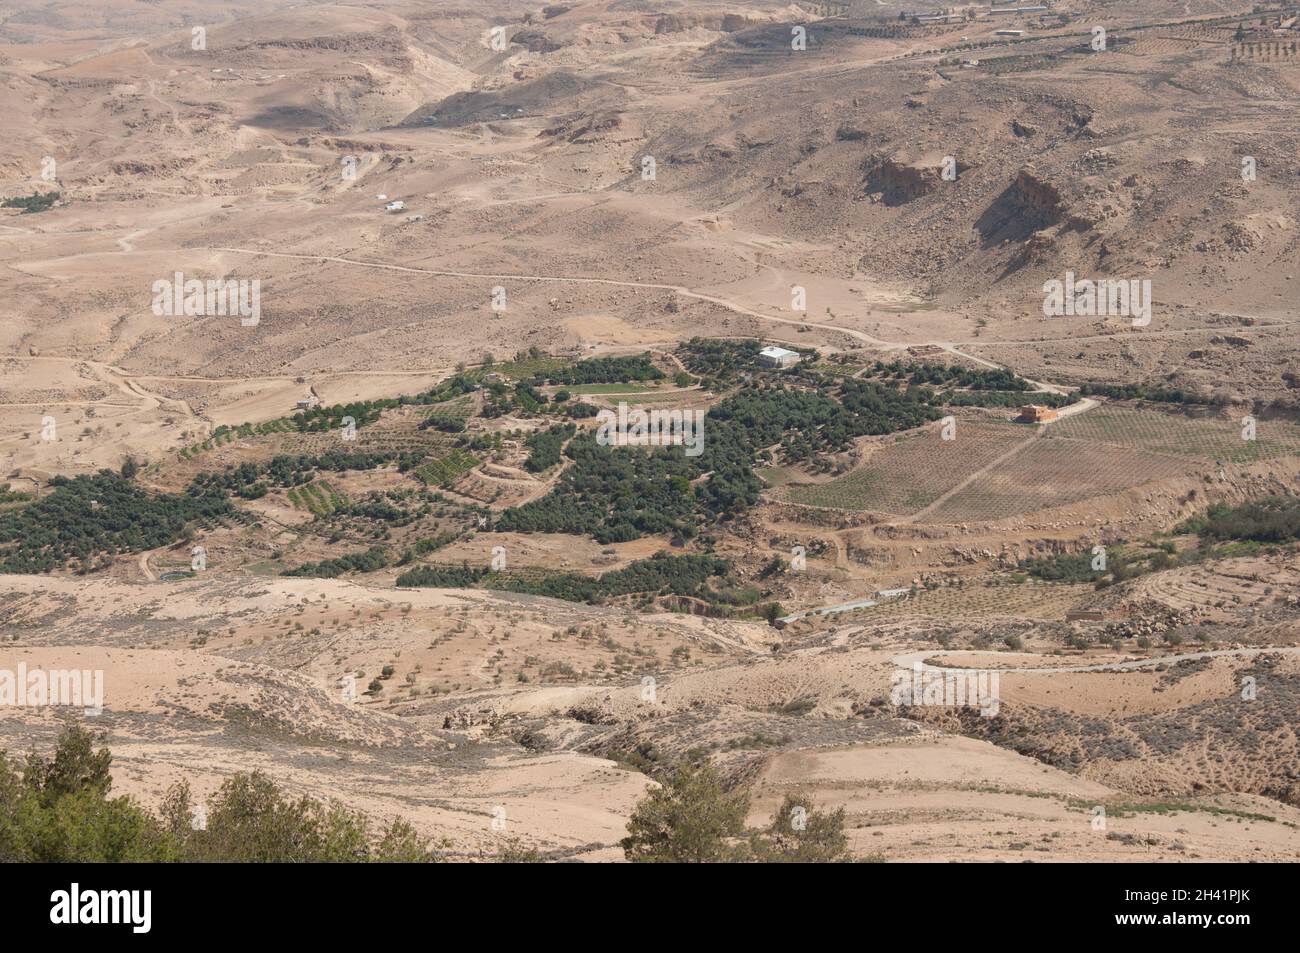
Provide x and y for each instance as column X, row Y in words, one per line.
column 515, row 851
column 690, row 819
column 400, row 843
column 801, row 834
column 57, row 810
column 76, row 767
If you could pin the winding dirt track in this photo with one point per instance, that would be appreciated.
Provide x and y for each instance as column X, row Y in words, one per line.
column 575, row 279
column 908, row 659
column 682, row 290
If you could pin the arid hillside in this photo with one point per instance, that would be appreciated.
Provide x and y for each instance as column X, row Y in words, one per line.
column 973, row 329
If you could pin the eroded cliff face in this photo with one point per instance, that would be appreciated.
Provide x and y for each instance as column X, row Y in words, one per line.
column 1033, row 212
column 720, row 22
column 898, row 181
column 1038, row 200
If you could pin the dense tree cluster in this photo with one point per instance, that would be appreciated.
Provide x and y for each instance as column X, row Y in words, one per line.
column 604, row 370
column 463, row 576
column 453, row 387
column 969, row 378
column 253, row 480
column 362, row 412
column 93, row 518
column 719, row 359
column 1061, row 567
column 1166, row 395
column 616, row 494
column 545, row 447
column 444, row 423
column 100, row 516
column 377, row 507
column 1121, row 563
column 36, row 202
column 871, row 409
column 1275, row 520
column 999, row 398
column 374, row 558
column 661, row 574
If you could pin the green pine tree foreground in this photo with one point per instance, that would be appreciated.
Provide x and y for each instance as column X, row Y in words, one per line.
column 59, row 811
column 694, row 819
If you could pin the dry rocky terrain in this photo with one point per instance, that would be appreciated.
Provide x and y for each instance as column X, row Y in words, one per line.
column 447, row 208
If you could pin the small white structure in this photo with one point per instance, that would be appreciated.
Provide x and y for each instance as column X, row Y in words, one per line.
column 777, row 357
column 308, row 403
column 395, row 206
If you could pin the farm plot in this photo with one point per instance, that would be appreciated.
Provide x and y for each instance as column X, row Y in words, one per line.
column 1195, row 438
column 910, row 474
column 443, row 470
column 458, row 408
column 367, row 439
column 522, row 368
column 224, row 435
column 1030, row 600
column 1055, row 471
column 1232, row 584
column 318, row 497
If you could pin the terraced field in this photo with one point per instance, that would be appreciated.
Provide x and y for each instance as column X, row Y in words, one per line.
column 1230, row 584
column 907, row 476
column 458, row 408
column 1206, row 438
column 1055, row 472
column 367, row 439
column 446, row 468
column 1030, row 600
column 224, row 435
column 1106, row 450
column 318, row 497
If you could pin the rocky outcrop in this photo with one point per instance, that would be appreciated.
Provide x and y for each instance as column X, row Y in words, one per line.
column 1037, row 199
column 535, row 41
column 900, row 182
column 681, row 22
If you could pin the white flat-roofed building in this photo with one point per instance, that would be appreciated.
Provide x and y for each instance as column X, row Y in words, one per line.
column 778, row 357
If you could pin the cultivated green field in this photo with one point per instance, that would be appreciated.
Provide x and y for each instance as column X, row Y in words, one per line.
column 1054, row 471
column 910, row 474
column 447, row 467
column 1209, row 438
